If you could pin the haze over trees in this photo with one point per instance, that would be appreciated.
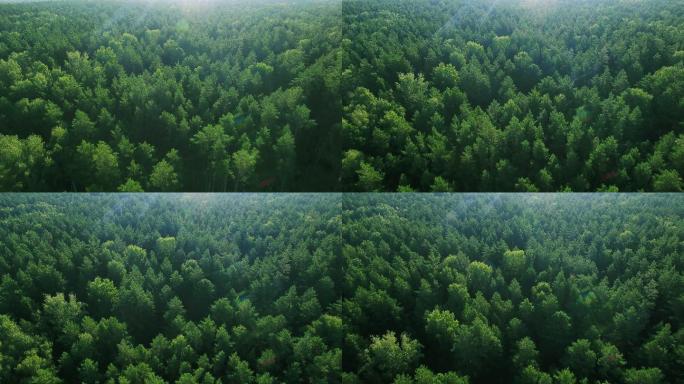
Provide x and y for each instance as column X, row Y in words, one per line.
column 341, row 288
column 169, row 95
column 538, row 95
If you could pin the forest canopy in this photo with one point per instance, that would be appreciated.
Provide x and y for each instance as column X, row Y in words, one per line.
column 342, row 95
column 486, row 95
column 353, row 288
column 169, row 96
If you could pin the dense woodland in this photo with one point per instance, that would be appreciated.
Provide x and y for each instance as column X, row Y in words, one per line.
column 349, row 95
column 513, row 95
column 406, row 288
column 523, row 289
column 145, row 288
column 169, row 96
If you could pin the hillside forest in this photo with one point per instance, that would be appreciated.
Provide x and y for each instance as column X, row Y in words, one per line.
column 330, row 288
column 342, row 95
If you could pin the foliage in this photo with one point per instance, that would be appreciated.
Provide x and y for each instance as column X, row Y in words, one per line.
column 169, row 96
column 407, row 288
column 523, row 288
column 350, row 95
column 486, row 95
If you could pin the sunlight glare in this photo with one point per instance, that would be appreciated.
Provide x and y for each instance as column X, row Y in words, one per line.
column 538, row 4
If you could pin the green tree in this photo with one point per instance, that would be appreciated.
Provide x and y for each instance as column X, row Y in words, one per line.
column 103, row 297
column 644, row 375
column 387, row 357
column 99, row 165
column 164, row 177
column 369, row 178
column 244, row 163
column 667, row 181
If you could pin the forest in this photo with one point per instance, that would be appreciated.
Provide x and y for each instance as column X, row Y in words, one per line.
column 342, row 288
column 512, row 95
column 169, row 96
column 149, row 288
column 342, row 95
